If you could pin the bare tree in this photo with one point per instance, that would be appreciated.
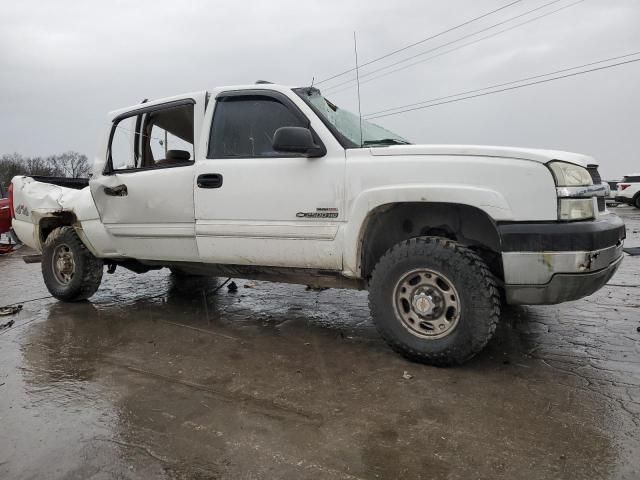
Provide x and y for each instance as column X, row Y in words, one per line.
column 41, row 166
column 68, row 164
column 10, row 166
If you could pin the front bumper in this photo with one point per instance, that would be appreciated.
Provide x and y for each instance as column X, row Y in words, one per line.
column 621, row 199
column 557, row 262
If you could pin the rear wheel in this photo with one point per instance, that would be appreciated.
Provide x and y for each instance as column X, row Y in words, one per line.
column 434, row 301
column 70, row 271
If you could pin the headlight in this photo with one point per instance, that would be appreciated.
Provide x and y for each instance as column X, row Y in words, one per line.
column 569, row 175
column 575, row 208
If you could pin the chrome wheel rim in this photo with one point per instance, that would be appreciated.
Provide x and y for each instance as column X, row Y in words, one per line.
column 63, row 263
column 426, row 303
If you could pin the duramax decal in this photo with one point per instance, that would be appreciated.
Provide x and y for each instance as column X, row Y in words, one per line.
column 321, row 212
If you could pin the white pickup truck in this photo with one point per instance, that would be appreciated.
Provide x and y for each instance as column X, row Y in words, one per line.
column 278, row 183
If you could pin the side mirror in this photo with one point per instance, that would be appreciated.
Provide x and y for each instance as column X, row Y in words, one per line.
column 296, row 140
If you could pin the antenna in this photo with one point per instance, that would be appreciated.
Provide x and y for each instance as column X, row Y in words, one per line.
column 355, row 50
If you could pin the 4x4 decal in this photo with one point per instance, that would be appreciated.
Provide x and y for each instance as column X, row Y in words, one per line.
column 22, row 210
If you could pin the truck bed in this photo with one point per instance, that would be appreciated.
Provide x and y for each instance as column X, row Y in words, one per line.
column 75, row 183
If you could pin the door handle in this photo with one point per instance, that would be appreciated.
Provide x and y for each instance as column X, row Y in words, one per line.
column 118, row 191
column 209, row 180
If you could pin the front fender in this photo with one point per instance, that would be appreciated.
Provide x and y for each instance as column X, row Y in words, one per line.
column 361, row 207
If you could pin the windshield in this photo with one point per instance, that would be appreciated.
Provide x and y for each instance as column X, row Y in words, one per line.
column 346, row 124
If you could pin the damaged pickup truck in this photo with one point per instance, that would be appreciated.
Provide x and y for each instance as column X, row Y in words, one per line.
column 277, row 183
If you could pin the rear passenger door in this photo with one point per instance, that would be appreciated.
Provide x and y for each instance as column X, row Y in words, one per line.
column 268, row 208
column 145, row 195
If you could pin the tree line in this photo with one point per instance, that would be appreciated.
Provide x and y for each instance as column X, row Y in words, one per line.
column 68, row 164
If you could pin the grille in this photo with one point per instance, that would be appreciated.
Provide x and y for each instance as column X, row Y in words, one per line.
column 595, row 176
column 597, row 180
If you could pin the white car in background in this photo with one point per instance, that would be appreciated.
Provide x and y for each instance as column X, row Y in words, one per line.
column 613, row 191
column 628, row 190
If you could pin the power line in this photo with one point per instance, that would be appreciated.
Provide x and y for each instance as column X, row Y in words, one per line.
column 462, row 46
column 500, row 84
column 458, row 40
column 505, row 89
column 419, row 42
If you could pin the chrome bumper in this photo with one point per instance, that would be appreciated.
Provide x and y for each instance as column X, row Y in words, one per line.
column 555, row 277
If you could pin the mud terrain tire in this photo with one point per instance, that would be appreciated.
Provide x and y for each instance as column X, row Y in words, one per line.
column 71, row 272
column 436, row 283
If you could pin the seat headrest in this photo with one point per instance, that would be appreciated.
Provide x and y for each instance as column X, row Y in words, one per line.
column 178, row 155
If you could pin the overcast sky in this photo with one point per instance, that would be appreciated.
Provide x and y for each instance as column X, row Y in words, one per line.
column 64, row 64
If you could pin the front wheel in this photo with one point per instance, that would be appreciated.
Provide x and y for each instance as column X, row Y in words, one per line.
column 434, row 301
column 71, row 272
column 636, row 201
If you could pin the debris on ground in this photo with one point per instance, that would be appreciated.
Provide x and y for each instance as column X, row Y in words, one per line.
column 316, row 288
column 232, row 287
column 12, row 310
column 38, row 259
column 10, row 244
column 4, row 249
column 407, row 376
column 6, row 325
column 250, row 285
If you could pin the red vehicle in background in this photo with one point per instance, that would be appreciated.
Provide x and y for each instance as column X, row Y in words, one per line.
column 5, row 213
column 5, row 216
column 5, row 223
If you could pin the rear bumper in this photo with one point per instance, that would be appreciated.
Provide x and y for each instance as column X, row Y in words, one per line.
column 558, row 262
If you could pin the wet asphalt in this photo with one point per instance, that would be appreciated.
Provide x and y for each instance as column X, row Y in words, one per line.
column 158, row 377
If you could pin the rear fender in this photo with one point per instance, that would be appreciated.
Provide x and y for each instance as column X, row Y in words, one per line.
column 45, row 206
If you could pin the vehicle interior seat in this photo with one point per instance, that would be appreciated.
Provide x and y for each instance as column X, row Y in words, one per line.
column 174, row 157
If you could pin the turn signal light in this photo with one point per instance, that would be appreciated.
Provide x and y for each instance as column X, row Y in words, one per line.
column 622, row 186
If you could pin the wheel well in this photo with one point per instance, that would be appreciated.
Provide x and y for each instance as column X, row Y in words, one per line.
column 390, row 224
column 57, row 219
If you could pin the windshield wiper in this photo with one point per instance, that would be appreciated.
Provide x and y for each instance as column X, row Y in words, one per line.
column 385, row 141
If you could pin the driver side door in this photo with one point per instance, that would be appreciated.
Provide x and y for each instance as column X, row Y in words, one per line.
column 266, row 207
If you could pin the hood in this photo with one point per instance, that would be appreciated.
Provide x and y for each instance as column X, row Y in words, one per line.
column 532, row 154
